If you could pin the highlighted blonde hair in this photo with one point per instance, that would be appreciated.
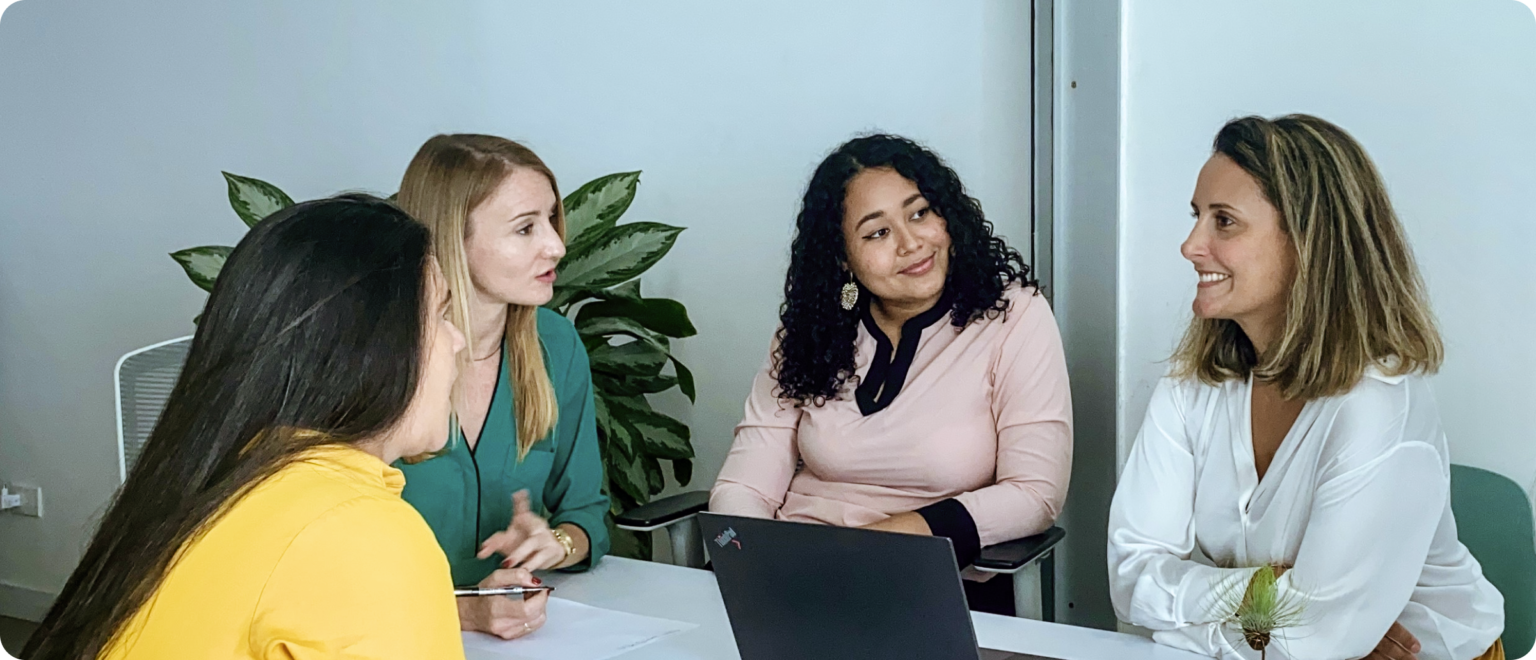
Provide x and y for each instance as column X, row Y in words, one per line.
column 450, row 176
column 1357, row 301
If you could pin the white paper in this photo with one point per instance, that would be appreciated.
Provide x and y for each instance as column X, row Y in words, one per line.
column 574, row 631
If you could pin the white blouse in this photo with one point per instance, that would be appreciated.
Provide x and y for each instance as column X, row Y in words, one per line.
column 1356, row 500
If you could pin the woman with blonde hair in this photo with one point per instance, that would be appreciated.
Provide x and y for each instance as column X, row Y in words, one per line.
column 522, row 479
column 1296, row 429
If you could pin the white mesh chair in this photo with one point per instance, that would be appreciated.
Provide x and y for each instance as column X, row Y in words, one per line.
column 144, row 379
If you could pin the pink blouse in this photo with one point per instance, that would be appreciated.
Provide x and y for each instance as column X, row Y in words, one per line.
column 984, row 417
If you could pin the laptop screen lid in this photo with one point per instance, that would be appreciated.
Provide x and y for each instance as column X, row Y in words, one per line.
column 795, row 590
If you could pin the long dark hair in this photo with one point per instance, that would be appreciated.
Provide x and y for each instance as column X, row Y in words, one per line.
column 313, row 335
column 815, row 354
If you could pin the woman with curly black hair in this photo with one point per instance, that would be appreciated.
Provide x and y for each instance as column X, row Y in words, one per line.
column 917, row 382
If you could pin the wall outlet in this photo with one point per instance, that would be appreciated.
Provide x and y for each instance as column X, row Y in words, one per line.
column 21, row 500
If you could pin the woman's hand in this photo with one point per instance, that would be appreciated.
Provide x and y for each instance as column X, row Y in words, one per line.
column 1398, row 644
column 507, row 617
column 528, row 542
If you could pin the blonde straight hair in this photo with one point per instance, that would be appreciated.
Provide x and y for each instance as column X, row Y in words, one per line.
column 450, row 176
column 1358, row 300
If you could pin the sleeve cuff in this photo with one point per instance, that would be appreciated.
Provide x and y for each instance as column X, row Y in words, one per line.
column 950, row 519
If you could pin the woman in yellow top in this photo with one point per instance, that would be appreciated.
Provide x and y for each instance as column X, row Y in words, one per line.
column 263, row 519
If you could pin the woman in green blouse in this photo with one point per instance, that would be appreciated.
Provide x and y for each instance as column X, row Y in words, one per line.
column 520, row 484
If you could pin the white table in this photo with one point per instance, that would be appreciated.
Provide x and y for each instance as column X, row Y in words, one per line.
column 686, row 594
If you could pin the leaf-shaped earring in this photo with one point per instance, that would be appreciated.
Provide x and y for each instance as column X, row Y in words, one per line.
column 850, row 294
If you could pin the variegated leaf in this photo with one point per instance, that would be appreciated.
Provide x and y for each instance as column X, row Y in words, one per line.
column 618, row 254
column 254, row 199
column 203, row 263
column 682, row 471
column 662, row 315
column 659, row 435
column 566, row 296
column 629, row 476
column 685, row 380
column 637, row 358
column 607, row 326
column 662, row 436
column 632, row 385
column 597, row 205
column 654, row 479
column 618, row 435
column 627, row 291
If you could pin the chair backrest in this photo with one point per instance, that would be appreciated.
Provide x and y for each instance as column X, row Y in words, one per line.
column 144, row 379
column 1493, row 519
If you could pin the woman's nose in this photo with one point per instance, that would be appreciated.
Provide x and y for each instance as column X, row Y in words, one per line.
column 908, row 241
column 1194, row 245
column 556, row 247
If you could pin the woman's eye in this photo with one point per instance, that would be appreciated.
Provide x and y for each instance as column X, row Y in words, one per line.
column 1222, row 220
column 921, row 213
column 525, row 230
column 878, row 233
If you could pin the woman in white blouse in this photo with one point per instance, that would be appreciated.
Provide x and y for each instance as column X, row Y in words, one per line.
column 1296, row 429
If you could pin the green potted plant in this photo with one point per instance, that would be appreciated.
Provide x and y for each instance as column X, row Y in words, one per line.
column 627, row 335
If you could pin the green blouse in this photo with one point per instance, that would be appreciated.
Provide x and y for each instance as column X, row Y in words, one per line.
column 466, row 495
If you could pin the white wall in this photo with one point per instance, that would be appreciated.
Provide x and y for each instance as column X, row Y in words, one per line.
column 118, row 118
column 1442, row 96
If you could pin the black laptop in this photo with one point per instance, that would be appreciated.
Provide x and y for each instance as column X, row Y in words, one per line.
column 814, row 592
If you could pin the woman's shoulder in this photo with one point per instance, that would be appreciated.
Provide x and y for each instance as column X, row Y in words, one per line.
column 1020, row 295
column 1380, row 397
column 307, row 499
column 1190, row 399
column 371, row 516
column 327, row 480
column 1391, row 408
column 341, row 517
column 1380, row 417
column 1024, row 307
column 351, row 543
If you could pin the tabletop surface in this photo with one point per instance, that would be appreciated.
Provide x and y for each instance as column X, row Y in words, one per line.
column 691, row 595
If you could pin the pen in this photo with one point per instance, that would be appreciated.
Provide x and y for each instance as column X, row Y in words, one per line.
column 461, row 592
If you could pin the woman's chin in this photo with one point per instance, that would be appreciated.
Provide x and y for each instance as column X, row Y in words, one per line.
column 534, row 296
column 1206, row 309
column 437, row 443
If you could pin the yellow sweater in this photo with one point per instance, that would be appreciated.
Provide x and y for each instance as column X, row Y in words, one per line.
column 323, row 560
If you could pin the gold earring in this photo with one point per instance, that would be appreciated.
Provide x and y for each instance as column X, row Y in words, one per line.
column 850, row 294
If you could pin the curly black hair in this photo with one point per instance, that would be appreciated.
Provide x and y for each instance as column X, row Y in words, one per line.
column 815, row 354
